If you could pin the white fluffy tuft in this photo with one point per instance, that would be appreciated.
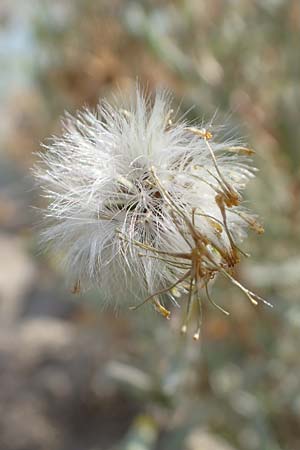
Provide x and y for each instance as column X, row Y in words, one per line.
column 122, row 182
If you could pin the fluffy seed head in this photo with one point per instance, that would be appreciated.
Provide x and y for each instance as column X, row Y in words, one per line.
column 141, row 205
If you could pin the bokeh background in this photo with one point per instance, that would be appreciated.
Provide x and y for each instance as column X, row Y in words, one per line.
column 76, row 377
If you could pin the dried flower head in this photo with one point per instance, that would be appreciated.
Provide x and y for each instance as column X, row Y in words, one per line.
column 143, row 206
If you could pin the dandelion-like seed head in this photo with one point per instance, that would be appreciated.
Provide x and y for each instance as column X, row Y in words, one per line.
column 144, row 206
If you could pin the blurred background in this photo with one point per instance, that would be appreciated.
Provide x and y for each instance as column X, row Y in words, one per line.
column 75, row 377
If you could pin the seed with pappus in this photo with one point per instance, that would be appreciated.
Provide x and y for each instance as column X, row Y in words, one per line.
column 145, row 207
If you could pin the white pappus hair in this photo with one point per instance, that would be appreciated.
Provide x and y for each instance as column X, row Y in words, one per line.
column 142, row 206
